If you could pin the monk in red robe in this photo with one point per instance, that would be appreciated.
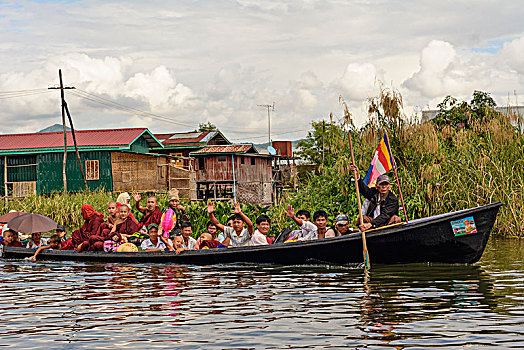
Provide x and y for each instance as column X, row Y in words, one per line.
column 124, row 228
column 152, row 215
column 93, row 220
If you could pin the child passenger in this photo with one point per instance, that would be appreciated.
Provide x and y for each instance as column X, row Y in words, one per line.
column 211, row 230
column 55, row 242
column 237, row 234
column 11, row 239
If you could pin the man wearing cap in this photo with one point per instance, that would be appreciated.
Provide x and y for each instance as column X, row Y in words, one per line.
column 381, row 205
column 341, row 226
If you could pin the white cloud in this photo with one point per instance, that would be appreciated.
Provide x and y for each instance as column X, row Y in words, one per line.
column 216, row 61
column 513, row 53
column 443, row 72
column 359, row 81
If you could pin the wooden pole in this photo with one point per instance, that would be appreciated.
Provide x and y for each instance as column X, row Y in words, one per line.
column 234, row 179
column 64, row 165
column 398, row 182
column 356, row 176
column 76, row 146
column 5, row 178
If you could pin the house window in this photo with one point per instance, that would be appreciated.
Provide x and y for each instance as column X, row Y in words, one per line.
column 221, row 158
column 253, row 160
column 242, row 161
column 177, row 162
column 92, row 170
column 201, row 163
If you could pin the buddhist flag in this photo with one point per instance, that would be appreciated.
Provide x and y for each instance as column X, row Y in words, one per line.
column 382, row 162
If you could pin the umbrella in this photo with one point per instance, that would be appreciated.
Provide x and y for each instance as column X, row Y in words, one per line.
column 31, row 223
column 11, row 215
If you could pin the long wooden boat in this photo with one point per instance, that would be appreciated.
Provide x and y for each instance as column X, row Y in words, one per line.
column 458, row 237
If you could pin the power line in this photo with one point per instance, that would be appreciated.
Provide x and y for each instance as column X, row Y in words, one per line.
column 281, row 133
column 6, row 95
column 118, row 106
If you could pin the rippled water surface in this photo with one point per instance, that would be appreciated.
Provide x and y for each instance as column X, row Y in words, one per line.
column 79, row 305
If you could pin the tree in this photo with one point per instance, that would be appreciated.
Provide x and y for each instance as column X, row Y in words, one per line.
column 207, row 127
column 460, row 114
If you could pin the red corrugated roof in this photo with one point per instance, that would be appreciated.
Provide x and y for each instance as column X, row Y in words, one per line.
column 84, row 138
column 225, row 149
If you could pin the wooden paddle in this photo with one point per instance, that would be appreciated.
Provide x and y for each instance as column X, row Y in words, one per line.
column 367, row 265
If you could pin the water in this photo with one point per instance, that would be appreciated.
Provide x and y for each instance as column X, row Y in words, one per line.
column 66, row 305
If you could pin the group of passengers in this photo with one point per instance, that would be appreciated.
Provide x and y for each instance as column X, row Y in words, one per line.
column 120, row 231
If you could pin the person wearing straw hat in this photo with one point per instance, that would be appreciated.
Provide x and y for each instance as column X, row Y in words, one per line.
column 179, row 212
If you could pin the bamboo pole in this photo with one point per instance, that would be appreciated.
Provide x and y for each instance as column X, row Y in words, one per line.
column 365, row 252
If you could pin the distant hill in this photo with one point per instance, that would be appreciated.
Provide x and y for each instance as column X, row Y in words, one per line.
column 54, row 128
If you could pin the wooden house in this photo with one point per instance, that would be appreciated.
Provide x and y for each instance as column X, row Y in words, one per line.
column 229, row 171
column 112, row 159
column 181, row 144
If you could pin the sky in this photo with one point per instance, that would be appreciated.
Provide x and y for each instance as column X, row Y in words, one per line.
column 171, row 65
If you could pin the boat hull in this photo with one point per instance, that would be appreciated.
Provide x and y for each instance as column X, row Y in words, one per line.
column 424, row 240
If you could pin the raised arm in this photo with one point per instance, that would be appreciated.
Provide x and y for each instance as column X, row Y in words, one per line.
column 212, row 218
column 291, row 213
column 137, row 198
column 248, row 222
column 166, row 242
column 364, row 190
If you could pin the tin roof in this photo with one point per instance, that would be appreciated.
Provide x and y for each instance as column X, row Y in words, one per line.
column 198, row 138
column 226, row 149
column 117, row 139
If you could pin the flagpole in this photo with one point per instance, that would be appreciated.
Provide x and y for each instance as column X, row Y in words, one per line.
column 398, row 182
column 355, row 175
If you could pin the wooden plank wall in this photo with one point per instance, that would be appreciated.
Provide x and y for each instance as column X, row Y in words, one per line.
column 184, row 181
column 254, row 182
column 215, row 170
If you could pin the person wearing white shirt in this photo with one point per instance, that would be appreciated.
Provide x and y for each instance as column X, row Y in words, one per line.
column 156, row 243
column 259, row 237
column 237, row 234
column 188, row 242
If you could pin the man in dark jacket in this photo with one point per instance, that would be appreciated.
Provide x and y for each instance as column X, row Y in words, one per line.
column 381, row 205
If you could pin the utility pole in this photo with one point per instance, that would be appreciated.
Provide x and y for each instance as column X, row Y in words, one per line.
column 268, row 120
column 65, row 109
